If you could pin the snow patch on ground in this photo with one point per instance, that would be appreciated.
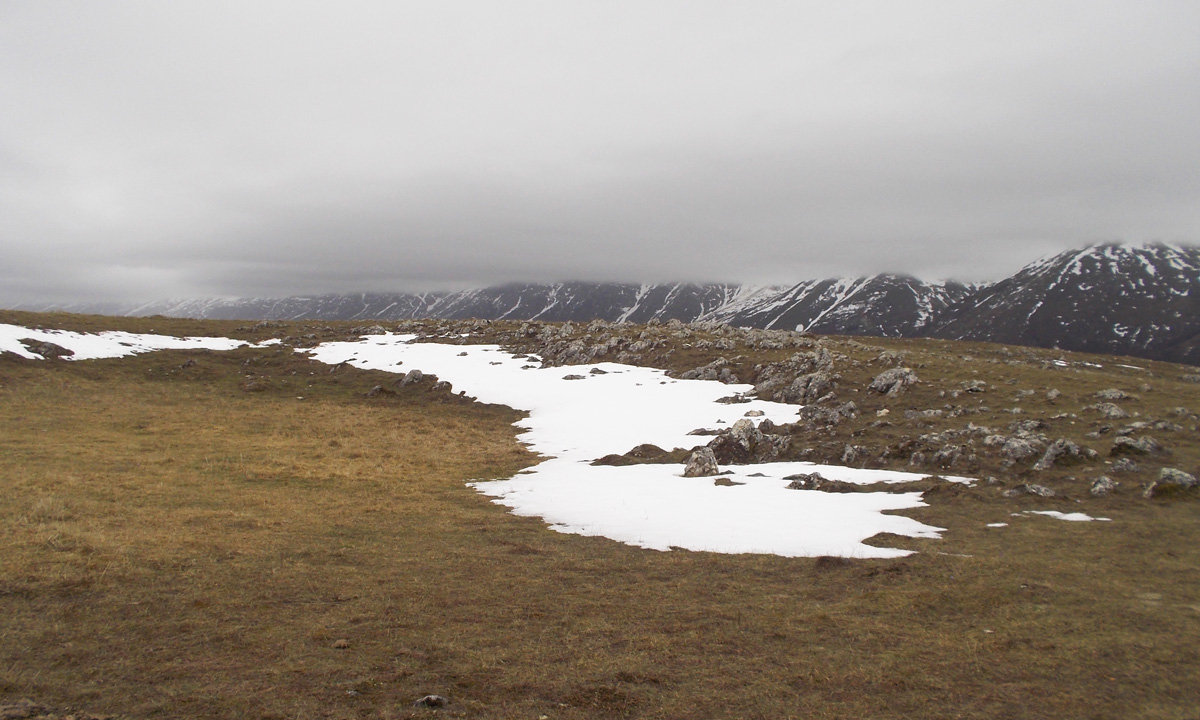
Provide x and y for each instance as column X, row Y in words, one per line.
column 573, row 422
column 109, row 344
column 1069, row 517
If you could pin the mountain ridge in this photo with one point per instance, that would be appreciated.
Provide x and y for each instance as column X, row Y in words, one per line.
column 1138, row 300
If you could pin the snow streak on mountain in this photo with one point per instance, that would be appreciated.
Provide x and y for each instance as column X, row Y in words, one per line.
column 1130, row 300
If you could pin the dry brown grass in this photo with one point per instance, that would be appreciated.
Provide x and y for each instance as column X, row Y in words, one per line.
column 176, row 547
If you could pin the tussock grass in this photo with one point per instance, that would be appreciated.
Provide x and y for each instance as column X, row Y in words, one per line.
column 177, row 546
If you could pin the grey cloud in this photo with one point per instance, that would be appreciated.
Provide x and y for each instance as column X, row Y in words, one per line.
column 187, row 149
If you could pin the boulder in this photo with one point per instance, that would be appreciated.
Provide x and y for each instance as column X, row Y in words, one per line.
column 1125, row 465
column 893, row 381
column 1062, row 451
column 1171, row 481
column 1144, row 445
column 1109, row 411
column 48, row 350
column 1174, row 476
column 702, row 463
column 1102, row 486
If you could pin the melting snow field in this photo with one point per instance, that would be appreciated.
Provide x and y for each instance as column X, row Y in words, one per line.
column 575, row 421
column 93, row 346
column 608, row 408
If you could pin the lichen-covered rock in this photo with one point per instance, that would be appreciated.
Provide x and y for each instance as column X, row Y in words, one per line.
column 1109, row 411
column 809, row 388
column 1171, row 481
column 716, row 370
column 815, row 481
column 1062, row 451
column 1175, row 476
column 1029, row 489
column 1144, row 445
column 1103, row 485
column 702, row 463
column 894, row 381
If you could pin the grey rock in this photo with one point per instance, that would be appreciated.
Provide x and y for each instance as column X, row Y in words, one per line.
column 809, row 388
column 1109, row 411
column 1171, row 481
column 701, row 463
column 1112, row 394
column 412, row 376
column 1174, row 476
column 1125, row 465
column 854, row 454
column 48, row 350
column 1029, row 489
column 1103, row 485
column 1060, row 451
column 1144, row 445
column 431, row 701
column 894, row 381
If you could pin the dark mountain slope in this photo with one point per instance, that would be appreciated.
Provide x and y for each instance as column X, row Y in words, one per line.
column 1128, row 300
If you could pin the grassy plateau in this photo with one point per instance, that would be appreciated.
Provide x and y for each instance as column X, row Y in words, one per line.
column 251, row 534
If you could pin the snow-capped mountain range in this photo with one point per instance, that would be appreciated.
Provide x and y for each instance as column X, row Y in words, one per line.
column 1119, row 299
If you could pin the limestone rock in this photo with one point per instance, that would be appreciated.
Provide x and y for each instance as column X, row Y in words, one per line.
column 1062, row 451
column 893, row 381
column 1103, row 485
column 1144, row 445
column 702, row 463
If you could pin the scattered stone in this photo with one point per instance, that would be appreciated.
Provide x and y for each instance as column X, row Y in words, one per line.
column 1144, row 445
column 431, row 701
column 1029, row 489
column 1062, row 451
column 893, row 381
column 733, row 400
column 46, row 349
column 597, row 371
column 815, row 481
column 854, row 454
column 1112, row 394
column 1102, row 486
column 702, row 463
column 1053, row 395
column 573, row 377
column 1125, row 465
column 973, row 386
column 948, row 456
column 754, row 413
column 716, row 370
column 726, row 482
column 443, row 386
column 1109, row 411
column 1170, row 482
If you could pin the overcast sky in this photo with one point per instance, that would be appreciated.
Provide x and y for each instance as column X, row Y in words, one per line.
column 177, row 149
